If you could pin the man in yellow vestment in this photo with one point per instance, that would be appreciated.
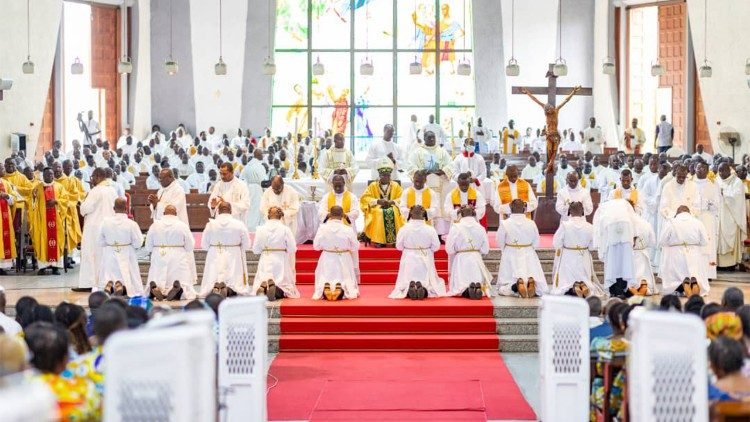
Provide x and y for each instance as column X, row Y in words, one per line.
column 74, row 193
column 510, row 188
column 379, row 205
column 47, row 222
column 510, row 136
column 8, row 197
column 23, row 185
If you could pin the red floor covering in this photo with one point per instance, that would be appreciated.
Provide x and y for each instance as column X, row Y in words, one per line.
column 446, row 386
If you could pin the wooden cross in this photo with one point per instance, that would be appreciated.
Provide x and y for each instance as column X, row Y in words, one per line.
column 551, row 90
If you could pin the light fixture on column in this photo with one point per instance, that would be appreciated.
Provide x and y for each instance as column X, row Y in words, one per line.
column 608, row 66
column 705, row 70
column 657, row 69
column 415, row 67
column 464, row 65
column 560, row 68
column 170, row 64
column 77, row 67
column 28, row 65
column 125, row 65
column 269, row 67
column 512, row 69
column 318, row 68
column 220, row 68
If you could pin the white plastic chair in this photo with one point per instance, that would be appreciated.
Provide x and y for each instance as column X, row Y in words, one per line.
column 161, row 375
column 204, row 318
column 667, row 368
column 22, row 400
column 243, row 353
column 564, row 358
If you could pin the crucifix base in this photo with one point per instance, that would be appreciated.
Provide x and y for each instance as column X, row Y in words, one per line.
column 546, row 217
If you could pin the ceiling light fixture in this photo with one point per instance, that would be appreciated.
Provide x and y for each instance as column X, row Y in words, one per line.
column 512, row 69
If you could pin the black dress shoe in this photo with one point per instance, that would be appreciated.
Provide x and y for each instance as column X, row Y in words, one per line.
column 477, row 291
column 55, row 271
column 154, row 291
column 81, row 289
column 42, row 271
column 175, row 292
column 421, row 291
column 412, row 292
column 271, row 291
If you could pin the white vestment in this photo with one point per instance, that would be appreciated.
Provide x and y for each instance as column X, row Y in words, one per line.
column 171, row 244
column 275, row 244
column 226, row 240
column 451, row 210
column 566, row 196
column 235, row 192
column 419, row 199
column 97, row 206
column 338, row 159
column 469, row 162
column 432, row 159
column 682, row 240
column 418, row 242
column 645, row 240
column 709, row 203
column 531, row 173
column 573, row 242
column 593, row 140
column 606, row 181
column 466, row 244
column 171, row 195
column 338, row 244
column 253, row 174
column 674, row 195
column 732, row 221
column 198, row 181
column 338, row 199
column 288, row 201
column 613, row 237
column 518, row 238
column 437, row 130
column 379, row 149
column 649, row 190
column 119, row 238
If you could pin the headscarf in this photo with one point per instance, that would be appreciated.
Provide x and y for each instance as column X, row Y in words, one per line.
column 726, row 324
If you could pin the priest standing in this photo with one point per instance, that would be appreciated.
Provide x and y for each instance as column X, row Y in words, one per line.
column 593, row 139
column 465, row 195
column 732, row 218
column 276, row 245
column 677, row 192
column 341, row 197
column 707, row 211
column 47, row 217
column 227, row 241
column 172, row 269
column 437, row 164
column 98, row 205
column 513, row 188
column 418, row 194
column 382, row 148
column 335, row 277
column 232, row 191
column 284, row 197
column 170, row 193
column 570, row 193
column 254, row 174
column 338, row 160
column 119, row 238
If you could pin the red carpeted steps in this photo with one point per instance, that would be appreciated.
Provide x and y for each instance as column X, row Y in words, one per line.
column 317, row 325
column 396, row 342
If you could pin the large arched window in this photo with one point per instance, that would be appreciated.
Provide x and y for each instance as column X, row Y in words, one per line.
column 341, row 35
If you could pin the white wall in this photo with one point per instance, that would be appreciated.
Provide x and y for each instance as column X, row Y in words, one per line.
column 489, row 68
column 141, row 100
column 726, row 96
column 605, row 86
column 22, row 107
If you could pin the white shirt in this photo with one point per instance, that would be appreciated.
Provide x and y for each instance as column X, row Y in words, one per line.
column 437, row 130
column 566, row 196
column 379, row 149
column 198, row 181
column 664, row 139
column 595, row 145
column 531, row 173
column 468, row 161
column 235, row 192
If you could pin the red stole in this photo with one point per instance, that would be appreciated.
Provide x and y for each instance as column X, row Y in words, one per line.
column 5, row 224
column 51, row 219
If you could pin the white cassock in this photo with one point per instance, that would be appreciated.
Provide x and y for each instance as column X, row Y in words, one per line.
column 567, row 196
column 531, row 173
column 122, row 143
column 419, row 199
column 571, row 145
column 707, row 211
column 732, row 221
column 645, row 241
column 613, row 237
column 338, row 199
column 606, row 181
column 226, row 239
column 438, row 131
column 288, row 201
column 198, row 181
column 119, row 238
column 379, row 149
column 432, row 159
column 171, row 245
column 573, row 242
column 451, row 211
column 94, row 130
column 674, row 195
column 469, row 162
column 338, row 159
column 628, row 194
column 418, row 242
column 97, row 206
column 518, row 238
column 651, row 194
column 275, row 244
column 338, row 244
column 171, row 195
column 235, row 192
column 682, row 240
column 482, row 137
column 253, row 174
column 466, row 244
column 593, row 140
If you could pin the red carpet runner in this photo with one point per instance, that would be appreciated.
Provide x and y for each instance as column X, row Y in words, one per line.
column 394, row 386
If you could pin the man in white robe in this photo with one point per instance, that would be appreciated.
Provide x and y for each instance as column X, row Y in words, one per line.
column 437, row 130
column 276, row 245
column 481, row 136
column 381, row 148
column 608, row 177
column 709, row 203
column 417, row 275
column 98, row 205
column 341, row 197
column 172, row 269
column 682, row 267
column 732, row 218
column 626, row 190
column 284, row 197
column 593, row 139
column 338, row 160
column 466, row 245
column 464, row 195
column 227, row 241
column 335, row 276
column 574, row 267
column 199, row 179
column 532, row 170
column 418, row 194
column 253, row 174
column 650, row 188
column 644, row 241
column 170, row 193
column 232, row 191
column 613, row 237
column 412, row 138
column 93, row 129
column 573, row 192
column 520, row 271
column 677, row 192
column 437, row 164
column 119, row 238
column 469, row 162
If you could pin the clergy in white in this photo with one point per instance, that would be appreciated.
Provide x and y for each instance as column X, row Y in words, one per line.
column 436, row 129
column 732, row 217
column 170, row 193
column 437, row 164
column 573, row 242
column 98, row 205
column 626, row 190
column 608, row 177
column 232, row 191
column 645, row 240
column 341, row 197
column 418, row 242
column 335, row 276
column 520, row 271
column 170, row 243
column 709, row 203
column 464, row 195
column 593, row 139
column 226, row 239
column 677, row 192
column 419, row 194
column 532, row 170
column 682, row 267
column 119, row 238
column 275, row 243
column 338, row 160
column 381, row 148
column 613, row 237
column 253, row 174
column 573, row 192
column 199, row 179
column 469, row 162
column 466, row 245
column 284, row 197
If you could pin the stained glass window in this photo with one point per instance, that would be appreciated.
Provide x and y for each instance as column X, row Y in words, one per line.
column 390, row 35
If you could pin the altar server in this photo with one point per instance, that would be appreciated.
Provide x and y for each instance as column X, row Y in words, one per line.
column 570, row 193
column 119, row 238
column 172, row 269
column 417, row 276
column 335, row 276
column 275, row 243
column 520, row 271
column 226, row 240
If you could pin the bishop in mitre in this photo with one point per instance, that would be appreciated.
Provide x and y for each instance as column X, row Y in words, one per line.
column 379, row 206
